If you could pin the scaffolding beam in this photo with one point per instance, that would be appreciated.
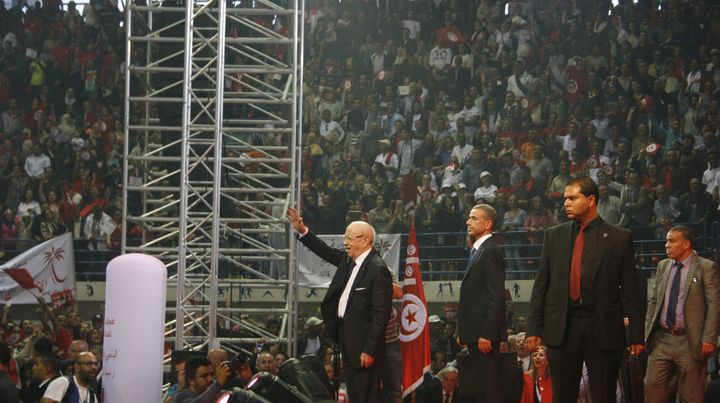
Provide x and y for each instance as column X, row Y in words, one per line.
column 213, row 96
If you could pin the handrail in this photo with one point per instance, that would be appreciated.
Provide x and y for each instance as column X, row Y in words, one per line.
column 440, row 260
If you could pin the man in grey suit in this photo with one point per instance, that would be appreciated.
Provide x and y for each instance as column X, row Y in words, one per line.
column 682, row 320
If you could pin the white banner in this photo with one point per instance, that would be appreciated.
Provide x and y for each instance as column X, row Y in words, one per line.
column 48, row 267
column 317, row 273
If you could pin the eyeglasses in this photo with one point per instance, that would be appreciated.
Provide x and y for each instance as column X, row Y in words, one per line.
column 90, row 363
column 352, row 238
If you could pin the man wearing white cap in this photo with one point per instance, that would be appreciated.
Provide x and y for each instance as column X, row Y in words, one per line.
column 487, row 191
column 310, row 342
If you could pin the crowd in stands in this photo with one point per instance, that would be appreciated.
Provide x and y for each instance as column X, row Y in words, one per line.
column 61, row 97
column 419, row 110
column 414, row 111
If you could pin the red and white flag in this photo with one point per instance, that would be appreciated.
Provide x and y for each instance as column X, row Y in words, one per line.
column 47, row 269
column 414, row 326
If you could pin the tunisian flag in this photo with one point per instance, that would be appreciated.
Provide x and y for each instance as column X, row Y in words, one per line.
column 414, row 327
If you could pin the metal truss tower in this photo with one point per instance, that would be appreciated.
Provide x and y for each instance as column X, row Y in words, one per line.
column 213, row 93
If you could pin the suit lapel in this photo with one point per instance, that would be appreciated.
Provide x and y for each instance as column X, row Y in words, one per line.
column 692, row 273
column 564, row 249
column 661, row 286
column 361, row 273
column 476, row 257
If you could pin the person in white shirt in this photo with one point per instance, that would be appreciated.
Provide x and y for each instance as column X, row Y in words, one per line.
column 310, row 342
column 487, row 191
column 97, row 229
column 86, row 370
column 388, row 159
column 36, row 163
column 328, row 126
column 601, row 124
column 406, row 147
column 29, row 205
column 462, row 151
column 519, row 82
column 711, row 173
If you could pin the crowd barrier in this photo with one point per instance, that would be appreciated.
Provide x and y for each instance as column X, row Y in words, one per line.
column 443, row 255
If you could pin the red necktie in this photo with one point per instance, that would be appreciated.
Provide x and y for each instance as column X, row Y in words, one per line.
column 576, row 264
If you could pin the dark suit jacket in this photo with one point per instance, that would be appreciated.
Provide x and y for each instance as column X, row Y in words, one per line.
column 608, row 278
column 435, row 395
column 702, row 302
column 369, row 303
column 481, row 309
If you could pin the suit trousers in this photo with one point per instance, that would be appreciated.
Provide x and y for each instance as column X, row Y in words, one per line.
column 671, row 367
column 566, row 363
column 479, row 376
column 363, row 384
column 392, row 373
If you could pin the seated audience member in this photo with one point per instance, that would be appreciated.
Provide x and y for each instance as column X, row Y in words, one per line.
column 446, row 391
column 266, row 363
column 538, row 383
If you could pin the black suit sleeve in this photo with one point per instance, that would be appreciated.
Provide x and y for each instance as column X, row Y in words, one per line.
column 323, row 250
column 536, row 312
column 381, row 305
column 631, row 294
column 496, row 294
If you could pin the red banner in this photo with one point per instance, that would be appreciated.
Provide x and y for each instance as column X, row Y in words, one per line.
column 414, row 327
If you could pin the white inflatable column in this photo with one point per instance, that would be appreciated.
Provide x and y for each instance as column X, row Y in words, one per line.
column 134, row 329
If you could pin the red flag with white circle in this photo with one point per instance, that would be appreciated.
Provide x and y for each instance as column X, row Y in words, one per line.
column 414, row 326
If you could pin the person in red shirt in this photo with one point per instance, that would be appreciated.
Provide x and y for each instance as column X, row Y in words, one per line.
column 538, row 382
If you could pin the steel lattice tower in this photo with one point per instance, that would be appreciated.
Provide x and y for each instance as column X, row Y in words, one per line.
column 211, row 126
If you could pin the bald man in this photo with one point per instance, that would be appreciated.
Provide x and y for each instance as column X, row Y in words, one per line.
column 356, row 307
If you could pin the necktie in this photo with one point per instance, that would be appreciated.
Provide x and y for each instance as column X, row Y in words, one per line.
column 674, row 291
column 471, row 256
column 446, row 399
column 576, row 264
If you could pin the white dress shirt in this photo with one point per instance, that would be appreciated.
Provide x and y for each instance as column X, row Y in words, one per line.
column 342, row 305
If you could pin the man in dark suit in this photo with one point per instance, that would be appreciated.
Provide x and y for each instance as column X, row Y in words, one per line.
column 682, row 321
column 481, row 310
column 585, row 285
column 357, row 304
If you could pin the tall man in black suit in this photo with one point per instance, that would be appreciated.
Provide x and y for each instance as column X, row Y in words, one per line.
column 357, row 304
column 481, row 310
column 585, row 285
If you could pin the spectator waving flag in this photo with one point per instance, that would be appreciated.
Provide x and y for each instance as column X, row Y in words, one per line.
column 414, row 327
column 47, row 269
column 450, row 36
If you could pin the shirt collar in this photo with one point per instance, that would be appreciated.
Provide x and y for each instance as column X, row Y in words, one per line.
column 686, row 262
column 480, row 241
column 360, row 259
column 592, row 224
